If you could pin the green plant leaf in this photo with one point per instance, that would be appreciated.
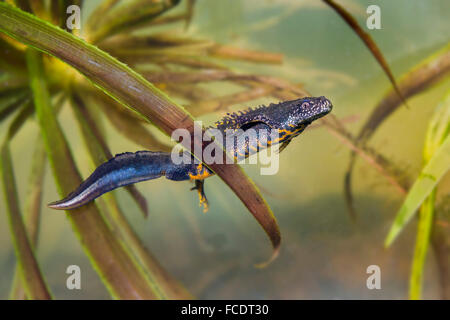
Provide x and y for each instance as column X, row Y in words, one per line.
column 117, row 269
column 125, row 18
column 31, row 276
column 422, row 187
column 127, row 125
column 32, row 208
column 10, row 81
column 423, row 76
column 100, row 153
column 438, row 129
column 441, row 244
column 11, row 100
column 99, row 13
column 190, row 4
column 132, row 90
column 424, row 227
column 11, row 58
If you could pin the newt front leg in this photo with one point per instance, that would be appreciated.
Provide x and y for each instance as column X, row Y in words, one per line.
column 200, row 187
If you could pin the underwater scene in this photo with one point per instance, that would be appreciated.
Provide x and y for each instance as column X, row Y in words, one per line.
column 352, row 200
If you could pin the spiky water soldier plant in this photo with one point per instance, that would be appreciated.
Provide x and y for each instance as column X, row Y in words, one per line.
column 39, row 84
column 31, row 82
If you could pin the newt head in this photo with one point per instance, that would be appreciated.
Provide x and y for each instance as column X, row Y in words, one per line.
column 298, row 114
column 306, row 110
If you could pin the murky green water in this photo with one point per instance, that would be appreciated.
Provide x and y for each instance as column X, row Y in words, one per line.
column 323, row 254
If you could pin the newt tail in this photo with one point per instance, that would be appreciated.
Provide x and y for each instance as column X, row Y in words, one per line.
column 128, row 168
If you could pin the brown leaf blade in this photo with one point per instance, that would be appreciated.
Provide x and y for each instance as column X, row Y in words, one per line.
column 369, row 42
column 34, row 193
column 255, row 203
column 119, row 272
column 129, row 127
column 32, row 209
column 100, row 153
column 31, row 276
column 126, row 18
column 420, row 78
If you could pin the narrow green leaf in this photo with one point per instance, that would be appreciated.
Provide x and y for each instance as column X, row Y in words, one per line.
column 25, row 112
column 99, row 13
column 39, row 9
column 440, row 240
column 32, row 209
column 12, row 96
column 154, row 40
column 127, row 17
column 177, row 59
column 11, row 100
column 417, row 80
column 424, row 227
column 58, row 12
column 117, row 269
column 100, row 153
column 171, row 288
column 31, row 276
column 11, row 81
column 423, row 76
column 23, row 4
column 438, row 129
column 190, row 4
column 11, row 58
column 129, row 127
column 433, row 171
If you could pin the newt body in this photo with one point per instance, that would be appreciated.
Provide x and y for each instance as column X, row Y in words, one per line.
column 287, row 119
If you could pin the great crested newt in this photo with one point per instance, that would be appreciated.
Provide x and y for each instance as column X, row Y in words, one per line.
column 286, row 119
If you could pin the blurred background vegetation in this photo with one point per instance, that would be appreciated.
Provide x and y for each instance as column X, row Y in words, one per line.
column 324, row 253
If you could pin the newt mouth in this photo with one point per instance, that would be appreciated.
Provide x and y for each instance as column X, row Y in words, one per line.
column 325, row 104
column 321, row 108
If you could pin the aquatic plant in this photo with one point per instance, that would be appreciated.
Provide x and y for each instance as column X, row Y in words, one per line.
column 436, row 156
column 36, row 84
column 436, row 159
column 88, row 69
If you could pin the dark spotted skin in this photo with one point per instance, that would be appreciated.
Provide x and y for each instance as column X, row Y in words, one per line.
column 287, row 119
